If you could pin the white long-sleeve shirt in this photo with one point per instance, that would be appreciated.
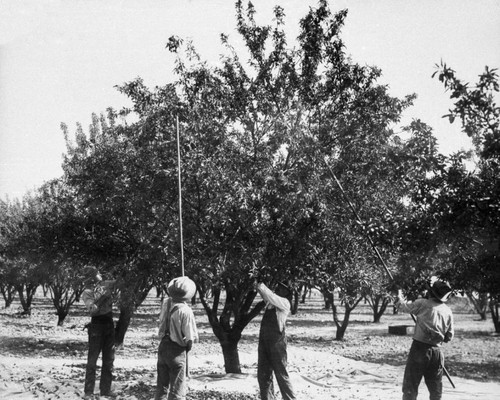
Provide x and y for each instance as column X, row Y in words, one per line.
column 182, row 326
column 272, row 300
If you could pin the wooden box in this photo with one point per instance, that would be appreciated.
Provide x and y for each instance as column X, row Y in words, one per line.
column 402, row 329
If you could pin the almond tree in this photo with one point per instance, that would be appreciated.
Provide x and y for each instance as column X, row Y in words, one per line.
column 124, row 179
column 7, row 287
column 453, row 227
column 20, row 249
column 255, row 181
column 468, row 201
column 255, row 189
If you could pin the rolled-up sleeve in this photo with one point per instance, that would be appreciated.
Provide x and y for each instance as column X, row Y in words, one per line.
column 269, row 297
column 189, row 327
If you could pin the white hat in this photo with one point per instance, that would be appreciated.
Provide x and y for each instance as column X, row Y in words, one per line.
column 181, row 288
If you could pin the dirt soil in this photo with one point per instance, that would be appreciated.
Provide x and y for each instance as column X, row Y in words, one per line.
column 39, row 360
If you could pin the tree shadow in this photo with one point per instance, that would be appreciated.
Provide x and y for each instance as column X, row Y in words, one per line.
column 30, row 347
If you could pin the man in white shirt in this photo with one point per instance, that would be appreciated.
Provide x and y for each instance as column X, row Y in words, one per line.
column 177, row 332
column 272, row 353
column 434, row 326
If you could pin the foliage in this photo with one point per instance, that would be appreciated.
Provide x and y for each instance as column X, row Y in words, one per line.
column 262, row 136
column 123, row 177
column 454, row 227
column 475, row 107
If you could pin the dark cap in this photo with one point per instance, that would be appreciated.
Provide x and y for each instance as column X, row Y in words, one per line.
column 441, row 290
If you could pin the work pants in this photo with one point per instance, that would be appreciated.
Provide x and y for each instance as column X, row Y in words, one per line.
column 101, row 338
column 171, row 370
column 272, row 357
column 423, row 361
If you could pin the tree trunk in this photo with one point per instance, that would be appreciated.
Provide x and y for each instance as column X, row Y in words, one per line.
column 62, row 297
column 304, row 290
column 61, row 316
column 494, row 308
column 295, row 304
column 328, row 297
column 342, row 326
column 131, row 297
column 480, row 303
column 229, row 343
column 378, row 304
column 126, row 314
column 8, row 293
column 228, row 327
column 27, row 299
column 231, row 356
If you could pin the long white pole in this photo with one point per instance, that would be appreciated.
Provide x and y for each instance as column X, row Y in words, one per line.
column 180, row 196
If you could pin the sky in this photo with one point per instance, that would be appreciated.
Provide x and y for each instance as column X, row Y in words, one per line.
column 61, row 59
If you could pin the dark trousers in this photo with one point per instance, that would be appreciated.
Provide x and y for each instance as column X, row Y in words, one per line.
column 423, row 361
column 272, row 357
column 101, row 338
column 171, row 370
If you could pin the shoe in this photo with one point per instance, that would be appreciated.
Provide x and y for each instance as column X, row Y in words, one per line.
column 110, row 395
column 88, row 397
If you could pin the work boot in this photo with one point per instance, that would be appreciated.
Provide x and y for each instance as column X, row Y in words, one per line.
column 110, row 395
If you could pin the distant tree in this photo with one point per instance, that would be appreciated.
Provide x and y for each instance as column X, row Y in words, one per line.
column 124, row 178
column 58, row 225
column 473, row 196
column 7, row 287
column 21, row 249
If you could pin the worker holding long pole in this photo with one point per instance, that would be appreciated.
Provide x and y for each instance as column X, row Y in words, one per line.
column 177, row 329
column 434, row 326
column 423, row 322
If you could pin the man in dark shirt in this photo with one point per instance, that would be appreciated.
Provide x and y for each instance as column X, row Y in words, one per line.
column 97, row 297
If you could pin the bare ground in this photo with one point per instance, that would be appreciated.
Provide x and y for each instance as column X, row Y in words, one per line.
column 40, row 360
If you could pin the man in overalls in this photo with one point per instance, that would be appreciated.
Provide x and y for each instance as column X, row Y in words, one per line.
column 177, row 333
column 272, row 354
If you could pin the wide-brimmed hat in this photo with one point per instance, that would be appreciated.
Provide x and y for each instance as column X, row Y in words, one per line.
column 181, row 288
column 441, row 290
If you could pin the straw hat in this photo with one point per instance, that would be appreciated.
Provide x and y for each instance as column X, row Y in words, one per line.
column 181, row 288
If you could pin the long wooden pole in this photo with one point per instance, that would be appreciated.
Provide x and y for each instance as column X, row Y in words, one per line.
column 374, row 247
column 180, row 216
column 180, row 196
column 351, row 206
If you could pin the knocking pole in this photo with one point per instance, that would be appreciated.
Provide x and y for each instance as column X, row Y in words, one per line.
column 374, row 247
column 351, row 206
column 180, row 196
